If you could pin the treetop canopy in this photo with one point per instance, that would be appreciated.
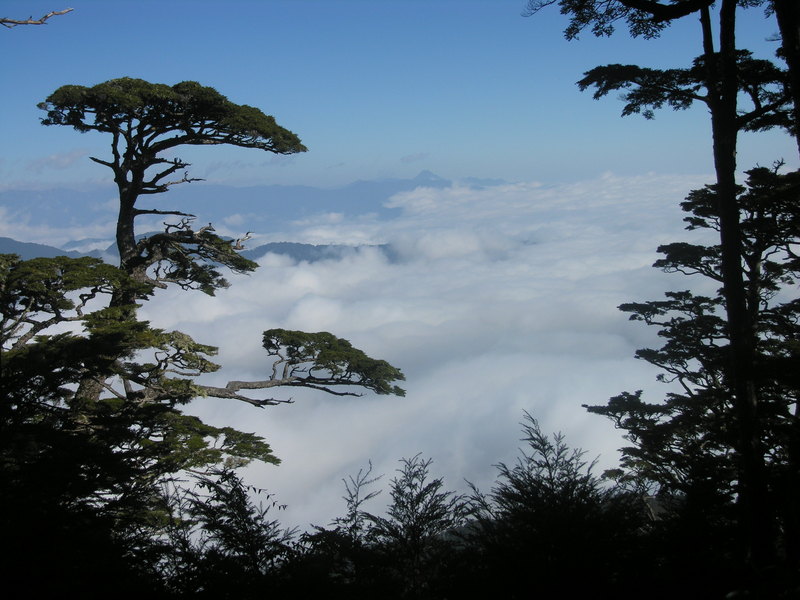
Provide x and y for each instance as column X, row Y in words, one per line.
column 193, row 113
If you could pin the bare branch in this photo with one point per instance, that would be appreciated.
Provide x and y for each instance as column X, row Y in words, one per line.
column 31, row 21
column 306, row 382
column 258, row 385
column 184, row 225
column 102, row 162
column 238, row 245
column 156, row 186
column 229, row 391
column 184, row 179
column 232, row 388
column 154, row 211
column 109, row 388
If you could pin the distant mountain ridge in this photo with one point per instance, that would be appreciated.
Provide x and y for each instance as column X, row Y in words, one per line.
column 28, row 250
column 294, row 250
column 267, row 209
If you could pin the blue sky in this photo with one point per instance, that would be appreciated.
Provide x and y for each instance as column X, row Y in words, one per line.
column 465, row 88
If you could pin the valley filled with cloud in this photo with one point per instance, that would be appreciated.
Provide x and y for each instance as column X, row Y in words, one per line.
column 493, row 300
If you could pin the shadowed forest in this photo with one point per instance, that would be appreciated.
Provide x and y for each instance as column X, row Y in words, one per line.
column 109, row 487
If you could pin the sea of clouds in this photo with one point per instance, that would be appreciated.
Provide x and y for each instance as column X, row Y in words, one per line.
column 493, row 300
column 496, row 300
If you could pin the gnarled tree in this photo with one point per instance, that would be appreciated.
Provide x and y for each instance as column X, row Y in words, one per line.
column 147, row 122
column 92, row 419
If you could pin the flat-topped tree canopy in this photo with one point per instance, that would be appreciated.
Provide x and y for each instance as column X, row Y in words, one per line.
column 145, row 121
column 155, row 116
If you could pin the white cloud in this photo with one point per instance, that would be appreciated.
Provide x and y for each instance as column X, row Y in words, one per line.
column 235, row 219
column 503, row 300
column 60, row 161
column 19, row 227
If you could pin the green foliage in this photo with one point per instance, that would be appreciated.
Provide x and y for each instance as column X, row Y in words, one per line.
column 145, row 120
column 42, row 378
column 321, row 360
column 188, row 112
column 190, row 259
column 761, row 84
column 39, row 293
column 92, row 428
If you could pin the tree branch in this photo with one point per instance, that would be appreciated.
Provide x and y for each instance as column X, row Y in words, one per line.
column 102, row 162
column 667, row 12
column 154, row 211
column 308, row 382
column 229, row 392
column 258, row 385
column 31, row 21
column 38, row 326
column 184, row 179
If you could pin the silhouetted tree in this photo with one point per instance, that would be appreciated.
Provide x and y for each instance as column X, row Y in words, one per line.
column 220, row 543
column 75, row 479
column 688, row 445
column 418, row 532
column 551, row 526
column 721, row 72
column 341, row 561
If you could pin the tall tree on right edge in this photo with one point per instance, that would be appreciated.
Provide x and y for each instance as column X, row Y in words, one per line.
column 720, row 73
column 684, row 449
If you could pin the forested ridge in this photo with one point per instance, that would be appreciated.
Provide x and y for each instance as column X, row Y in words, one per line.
column 109, row 486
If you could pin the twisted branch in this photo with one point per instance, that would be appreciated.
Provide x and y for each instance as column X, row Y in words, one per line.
column 31, row 21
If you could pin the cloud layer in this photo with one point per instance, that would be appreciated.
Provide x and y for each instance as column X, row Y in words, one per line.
column 500, row 299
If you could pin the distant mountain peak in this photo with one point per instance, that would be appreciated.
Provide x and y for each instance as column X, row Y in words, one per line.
column 428, row 176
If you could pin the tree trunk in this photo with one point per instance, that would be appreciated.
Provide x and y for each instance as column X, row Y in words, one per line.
column 756, row 526
column 129, row 259
column 91, row 387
